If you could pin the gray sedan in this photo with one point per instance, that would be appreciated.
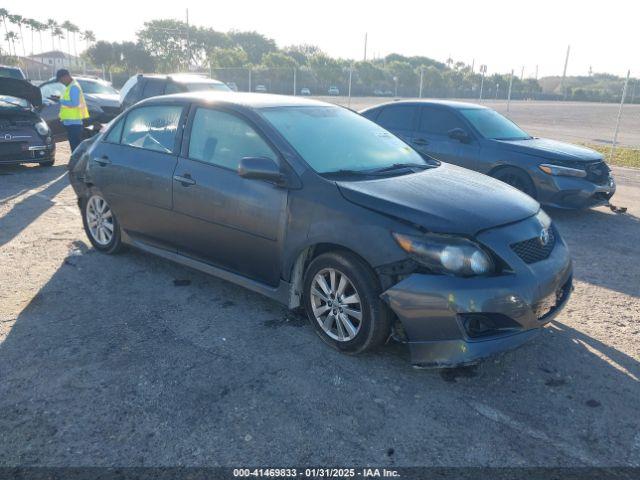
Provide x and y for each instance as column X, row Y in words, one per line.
column 554, row 173
column 313, row 205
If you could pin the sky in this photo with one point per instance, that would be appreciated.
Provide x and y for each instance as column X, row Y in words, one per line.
column 503, row 35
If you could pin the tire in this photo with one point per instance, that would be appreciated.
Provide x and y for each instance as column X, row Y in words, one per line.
column 361, row 298
column 48, row 163
column 517, row 178
column 101, row 226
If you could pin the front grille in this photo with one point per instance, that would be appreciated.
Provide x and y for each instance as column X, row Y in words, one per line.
column 598, row 173
column 532, row 250
column 12, row 148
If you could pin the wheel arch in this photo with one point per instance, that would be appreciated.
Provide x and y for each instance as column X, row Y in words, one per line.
column 302, row 260
column 498, row 168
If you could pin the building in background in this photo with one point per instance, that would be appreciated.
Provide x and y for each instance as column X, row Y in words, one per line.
column 57, row 59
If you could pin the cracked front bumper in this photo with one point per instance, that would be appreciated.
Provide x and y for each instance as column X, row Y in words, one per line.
column 434, row 310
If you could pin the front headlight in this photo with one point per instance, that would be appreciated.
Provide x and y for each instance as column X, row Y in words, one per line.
column 447, row 254
column 558, row 170
column 42, row 128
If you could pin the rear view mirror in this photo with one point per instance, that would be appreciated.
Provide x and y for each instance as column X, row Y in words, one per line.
column 459, row 134
column 261, row 168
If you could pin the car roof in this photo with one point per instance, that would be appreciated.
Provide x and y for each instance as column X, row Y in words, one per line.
column 445, row 103
column 248, row 100
column 182, row 77
column 84, row 78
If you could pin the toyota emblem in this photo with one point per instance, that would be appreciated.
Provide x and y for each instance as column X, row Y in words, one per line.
column 544, row 237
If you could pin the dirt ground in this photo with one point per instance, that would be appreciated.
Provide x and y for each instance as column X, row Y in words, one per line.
column 104, row 360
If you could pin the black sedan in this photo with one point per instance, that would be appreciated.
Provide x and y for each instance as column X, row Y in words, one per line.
column 313, row 205
column 24, row 135
column 554, row 173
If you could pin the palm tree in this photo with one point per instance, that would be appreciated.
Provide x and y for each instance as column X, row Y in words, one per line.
column 17, row 20
column 57, row 33
column 52, row 25
column 74, row 29
column 11, row 38
column 40, row 27
column 89, row 37
column 4, row 13
column 31, row 25
column 67, row 26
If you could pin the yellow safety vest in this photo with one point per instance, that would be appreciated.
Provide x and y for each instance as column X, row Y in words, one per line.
column 73, row 113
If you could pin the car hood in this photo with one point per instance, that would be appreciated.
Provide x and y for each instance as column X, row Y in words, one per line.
column 105, row 99
column 21, row 89
column 551, row 149
column 446, row 199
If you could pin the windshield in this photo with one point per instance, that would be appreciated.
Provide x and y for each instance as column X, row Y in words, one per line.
column 8, row 72
column 206, row 86
column 494, row 126
column 7, row 101
column 97, row 87
column 333, row 139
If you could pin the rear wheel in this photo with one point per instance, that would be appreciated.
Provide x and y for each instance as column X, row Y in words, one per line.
column 341, row 299
column 516, row 178
column 100, row 223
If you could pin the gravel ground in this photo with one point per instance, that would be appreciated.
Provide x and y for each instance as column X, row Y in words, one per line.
column 579, row 122
column 105, row 361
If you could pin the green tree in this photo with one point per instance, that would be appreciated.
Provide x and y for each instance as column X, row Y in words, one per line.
column 133, row 57
column 255, row 44
column 103, row 54
column 234, row 57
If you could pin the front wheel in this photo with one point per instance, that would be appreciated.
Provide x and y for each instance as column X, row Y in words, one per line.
column 100, row 223
column 516, row 178
column 341, row 299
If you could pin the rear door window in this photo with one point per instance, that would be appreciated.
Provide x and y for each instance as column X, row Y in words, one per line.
column 152, row 128
column 397, row 117
column 439, row 121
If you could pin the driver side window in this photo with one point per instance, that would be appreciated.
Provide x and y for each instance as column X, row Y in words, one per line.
column 223, row 139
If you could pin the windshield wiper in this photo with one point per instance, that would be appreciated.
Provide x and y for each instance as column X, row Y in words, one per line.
column 399, row 166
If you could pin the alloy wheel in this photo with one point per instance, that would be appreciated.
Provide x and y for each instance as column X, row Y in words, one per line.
column 100, row 220
column 336, row 304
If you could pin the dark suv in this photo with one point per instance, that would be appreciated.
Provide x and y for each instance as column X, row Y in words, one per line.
column 143, row 86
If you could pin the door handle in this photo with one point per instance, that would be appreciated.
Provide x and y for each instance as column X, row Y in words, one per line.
column 103, row 160
column 185, row 179
column 421, row 141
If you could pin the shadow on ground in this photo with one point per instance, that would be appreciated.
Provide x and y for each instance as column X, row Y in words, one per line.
column 112, row 363
column 601, row 244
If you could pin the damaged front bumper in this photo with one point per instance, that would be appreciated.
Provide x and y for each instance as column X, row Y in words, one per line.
column 452, row 321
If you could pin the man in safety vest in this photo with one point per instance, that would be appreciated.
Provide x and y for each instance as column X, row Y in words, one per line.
column 73, row 107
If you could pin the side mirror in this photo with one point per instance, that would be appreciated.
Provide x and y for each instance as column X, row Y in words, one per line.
column 261, row 168
column 459, row 134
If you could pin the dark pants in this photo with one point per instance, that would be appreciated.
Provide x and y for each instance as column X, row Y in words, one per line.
column 74, row 134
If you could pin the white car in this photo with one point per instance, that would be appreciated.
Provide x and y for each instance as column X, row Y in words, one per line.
column 305, row 91
column 261, row 88
column 334, row 92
